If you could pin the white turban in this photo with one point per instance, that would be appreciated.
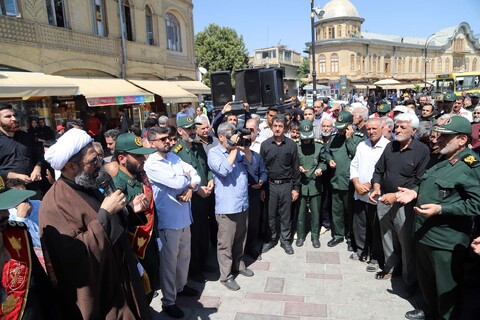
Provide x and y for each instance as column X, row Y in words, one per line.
column 69, row 144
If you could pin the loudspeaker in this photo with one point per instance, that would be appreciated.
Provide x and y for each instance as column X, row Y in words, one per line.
column 247, row 86
column 272, row 86
column 221, row 88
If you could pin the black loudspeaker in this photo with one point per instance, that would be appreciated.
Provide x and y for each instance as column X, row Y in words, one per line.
column 247, row 86
column 221, row 88
column 272, row 86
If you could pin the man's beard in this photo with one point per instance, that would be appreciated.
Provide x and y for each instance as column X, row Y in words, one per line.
column 11, row 127
column 92, row 182
column 402, row 138
column 476, row 120
column 326, row 133
column 449, row 148
column 132, row 168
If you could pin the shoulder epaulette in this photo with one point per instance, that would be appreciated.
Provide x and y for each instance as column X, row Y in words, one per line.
column 470, row 160
column 359, row 134
column 178, row 148
column 319, row 141
column 16, row 224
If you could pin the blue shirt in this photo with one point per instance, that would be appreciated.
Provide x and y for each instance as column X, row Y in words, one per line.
column 31, row 221
column 168, row 181
column 231, row 182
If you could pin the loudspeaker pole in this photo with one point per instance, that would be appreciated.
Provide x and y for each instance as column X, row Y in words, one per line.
column 314, row 71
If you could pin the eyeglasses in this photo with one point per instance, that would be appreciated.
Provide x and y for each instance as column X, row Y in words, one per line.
column 94, row 161
column 163, row 139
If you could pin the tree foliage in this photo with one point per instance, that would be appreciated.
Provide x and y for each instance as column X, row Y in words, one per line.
column 219, row 49
column 303, row 71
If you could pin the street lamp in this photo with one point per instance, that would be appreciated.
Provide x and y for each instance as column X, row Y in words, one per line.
column 427, row 42
column 319, row 12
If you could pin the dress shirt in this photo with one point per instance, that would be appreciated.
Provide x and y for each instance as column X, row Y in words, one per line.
column 401, row 168
column 281, row 160
column 265, row 131
column 231, row 182
column 31, row 221
column 18, row 154
column 363, row 164
column 168, row 181
column 256, row 144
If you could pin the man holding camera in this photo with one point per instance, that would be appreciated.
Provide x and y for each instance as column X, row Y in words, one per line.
column 281, row 159
column 230, row 162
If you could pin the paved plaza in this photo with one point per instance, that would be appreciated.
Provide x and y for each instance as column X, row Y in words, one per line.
column 312, row 284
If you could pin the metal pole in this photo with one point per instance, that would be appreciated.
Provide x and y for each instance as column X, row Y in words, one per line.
column 124, row 46
column 314, row 71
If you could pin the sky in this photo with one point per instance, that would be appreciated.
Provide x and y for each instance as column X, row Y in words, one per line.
column 264, row 23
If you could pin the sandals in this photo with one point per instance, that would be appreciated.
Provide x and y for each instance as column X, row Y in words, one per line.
column 382, row 275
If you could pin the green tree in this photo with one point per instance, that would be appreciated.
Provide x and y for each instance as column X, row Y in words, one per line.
column 220, row 49
column 303, row 71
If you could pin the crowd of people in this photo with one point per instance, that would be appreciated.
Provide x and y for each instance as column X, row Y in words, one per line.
column 400, row 184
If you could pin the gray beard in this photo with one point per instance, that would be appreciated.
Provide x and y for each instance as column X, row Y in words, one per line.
column 326, row 134
column 476, row 120
column 92, row 183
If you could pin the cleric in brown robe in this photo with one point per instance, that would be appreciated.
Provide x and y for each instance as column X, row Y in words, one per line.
column 83, row 234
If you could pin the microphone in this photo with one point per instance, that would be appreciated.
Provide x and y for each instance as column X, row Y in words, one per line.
column 107, row 185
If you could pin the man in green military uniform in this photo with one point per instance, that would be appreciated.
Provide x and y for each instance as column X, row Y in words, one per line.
column 193, row 153
column 448, row 196
column 340, row 152
column 312, row 164
column 132, row 181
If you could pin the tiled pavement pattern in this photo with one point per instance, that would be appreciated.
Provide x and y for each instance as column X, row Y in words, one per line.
column 312, row 284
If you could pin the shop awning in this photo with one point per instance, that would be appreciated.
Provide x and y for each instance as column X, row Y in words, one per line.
column 400, row 86
column 110, row 91
column 195, row 87
column 170, row 92
column 25, row 85
column 360, row 86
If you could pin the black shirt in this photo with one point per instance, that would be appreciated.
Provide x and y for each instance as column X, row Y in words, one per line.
column 401, row 168
column 281, row 160
column 18, row 154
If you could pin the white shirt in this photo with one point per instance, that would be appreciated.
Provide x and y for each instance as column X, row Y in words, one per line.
column 265, row 131
column 256, row 145
column 466, row 114
column 363, row 164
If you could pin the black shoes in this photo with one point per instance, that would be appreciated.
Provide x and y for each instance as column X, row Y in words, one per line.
column 334, row 242
column 416, row 314
column 267, row 246
column 188, row 292
column 287, row 247
column 173, row 311
column 299, row 242
column 231, row 284
column 246, row 272
column 316, row 243
column 349, row 246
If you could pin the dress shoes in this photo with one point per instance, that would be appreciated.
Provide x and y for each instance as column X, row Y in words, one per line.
column 372, row 266
column 188, row 292
column 246, row 272
column 349, row 246
column 267, row 246
column 316, row 243
column 173, row 311
column 287, row 247
column 230, row 284
column 334, row 242
column 300, row 242
column 416, row 314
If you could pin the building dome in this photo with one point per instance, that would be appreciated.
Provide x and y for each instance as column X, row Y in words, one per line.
column 340, row 8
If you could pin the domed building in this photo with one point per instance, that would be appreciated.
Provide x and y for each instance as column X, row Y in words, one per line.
column 343, row 50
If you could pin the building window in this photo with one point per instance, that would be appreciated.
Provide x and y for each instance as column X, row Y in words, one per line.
column 287, row 56
column 439, row 65
column 352, row 62
column 127, row 20
column 400, row 65
column 149, row 25
column 447, row 65
column 334, row 63
column 339, row 31
column 374, row 63
column 387, row 64
column 100, row 21
column 174, row 41
column 432, row 65
column 417, row 65
column 474, row 64
column 459, row 45
column 56, row 13
column 8, row 8
column 410, row 65
column 363, row 63
column 322, row 64
column 359, row 62
column 467, row 64
column 325, row 33
column 331, row 32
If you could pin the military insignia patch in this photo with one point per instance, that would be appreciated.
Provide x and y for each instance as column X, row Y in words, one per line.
column 189, row 119
column 138, row 141
column 178, row 148
column 340, row 118
column 306, row 128
column 470, row 160
column 380, row 107
column 447, row 121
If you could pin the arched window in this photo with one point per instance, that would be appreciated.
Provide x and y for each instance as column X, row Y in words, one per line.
column 378, row 65
column 331, row 32
column 400, row 65
column 447, row 65
column 359, row 62
column 352, row 62
column 172, row 26
column 322, row 64
column 374, row 63
column 467, row 64
column 474, row 64
column 149, row 25
column 325, row 32
column 410, row 65
column 127, row 20
column 339, row 31
column 334, row 63
column 363, row 63
column 439, row 65
column 417, row 65
column 387, row 64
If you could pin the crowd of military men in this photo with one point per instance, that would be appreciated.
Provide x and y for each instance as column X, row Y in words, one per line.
column 401, row 186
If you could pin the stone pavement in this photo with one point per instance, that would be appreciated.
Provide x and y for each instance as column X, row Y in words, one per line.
column 312, row 284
